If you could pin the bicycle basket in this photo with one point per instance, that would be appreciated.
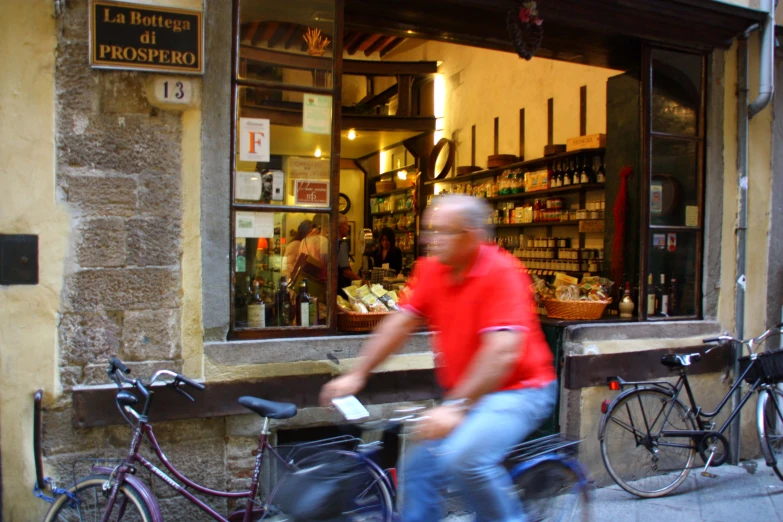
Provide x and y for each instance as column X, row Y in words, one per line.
column 324, row 488
column 768, row 367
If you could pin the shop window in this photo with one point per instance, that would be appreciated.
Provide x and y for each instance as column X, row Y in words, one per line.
column 675, row 185
column 284, row 193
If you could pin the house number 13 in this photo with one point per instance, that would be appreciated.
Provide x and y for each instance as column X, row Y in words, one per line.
column 170, row 90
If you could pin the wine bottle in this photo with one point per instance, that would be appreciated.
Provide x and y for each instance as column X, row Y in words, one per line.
column 601, row 176
column 567, row 177
column 650, row 296
column 584, row 176
column 664, row 293
column 256, row 310
column 283, row 304
column 576, row 178
column 673, row 301
column 303, row 305
column 626, row 304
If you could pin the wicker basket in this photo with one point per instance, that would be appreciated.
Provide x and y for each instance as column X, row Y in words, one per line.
column 574, row 309
column 768, row 367
column 356, row 322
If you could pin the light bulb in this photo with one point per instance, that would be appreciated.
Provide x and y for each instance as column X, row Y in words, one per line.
column 351, row 134
column 318, row 152
column 402, row 174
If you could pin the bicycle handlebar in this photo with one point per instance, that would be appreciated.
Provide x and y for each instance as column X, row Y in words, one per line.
column 116, row 364
column 747, row 342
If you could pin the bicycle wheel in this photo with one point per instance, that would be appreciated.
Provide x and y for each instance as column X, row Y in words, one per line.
column 91, row 500
column 635, row 454
column 771, row 409
column 552, row 492
column 343, row 486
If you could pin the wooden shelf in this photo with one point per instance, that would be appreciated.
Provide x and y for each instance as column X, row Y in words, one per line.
column 574, row 223
column 559, row 190
column 378, row 214
column 394, row 172
column 522, row 164
column 389, row 193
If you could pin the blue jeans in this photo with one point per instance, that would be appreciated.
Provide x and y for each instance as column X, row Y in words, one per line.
column 471, row 458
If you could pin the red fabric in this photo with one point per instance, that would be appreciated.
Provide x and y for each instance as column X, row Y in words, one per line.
column 495, row 295
column 620, row 207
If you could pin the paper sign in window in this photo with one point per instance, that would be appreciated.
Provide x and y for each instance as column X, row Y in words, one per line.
column 253, row 139
column 691, row 216
column 311, row 192
column 317, row 114
column 255, row 224
column 248, row 186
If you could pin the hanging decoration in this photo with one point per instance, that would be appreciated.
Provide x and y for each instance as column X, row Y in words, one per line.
column 525, row 29
column 316, row 42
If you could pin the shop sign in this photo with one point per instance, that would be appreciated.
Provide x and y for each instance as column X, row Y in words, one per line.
column 311, row 192
column 309, row 168
column 148, row 38
column 254, row 139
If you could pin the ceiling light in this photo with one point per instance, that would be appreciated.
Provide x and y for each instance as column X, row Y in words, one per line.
column 409, row 31
column 351, row 134
column 402, row 174
column 318, row 152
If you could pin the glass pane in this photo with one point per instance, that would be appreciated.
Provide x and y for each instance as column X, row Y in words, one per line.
column 674, row 187
column 673, row 257
column 676, row 92
column 288, row 42
column 274, row 253
column 278, row 161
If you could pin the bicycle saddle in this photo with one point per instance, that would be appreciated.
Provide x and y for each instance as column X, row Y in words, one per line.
column 270, row 409
column 672, row 360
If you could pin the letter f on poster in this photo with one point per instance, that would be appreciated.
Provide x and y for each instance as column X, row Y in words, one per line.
column 253, row 139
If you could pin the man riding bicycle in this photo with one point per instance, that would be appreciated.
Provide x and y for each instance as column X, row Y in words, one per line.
column 492, row 361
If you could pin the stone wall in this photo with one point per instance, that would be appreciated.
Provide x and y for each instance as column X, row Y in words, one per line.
column 119, row 173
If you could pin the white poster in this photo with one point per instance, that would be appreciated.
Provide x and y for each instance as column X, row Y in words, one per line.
column 308, row 168
column 253, row 139
column 248, row 186
column 317, row 114
column 255, row 224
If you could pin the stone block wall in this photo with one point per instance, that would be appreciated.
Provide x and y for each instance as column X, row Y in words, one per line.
column 119, row 171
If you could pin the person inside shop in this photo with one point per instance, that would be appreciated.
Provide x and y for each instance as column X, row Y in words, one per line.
column 292, row 249
column 495, row 366
column 345, row 273
column 387, row 251
column 316, row 243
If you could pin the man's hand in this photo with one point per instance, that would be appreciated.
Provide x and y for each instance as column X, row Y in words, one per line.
column 348, row 384
column 439, row 422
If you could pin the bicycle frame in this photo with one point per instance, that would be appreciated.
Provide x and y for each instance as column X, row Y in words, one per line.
column 699, row 415
column 144, row 430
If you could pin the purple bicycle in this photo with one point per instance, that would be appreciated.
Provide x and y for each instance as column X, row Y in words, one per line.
column 315, row 482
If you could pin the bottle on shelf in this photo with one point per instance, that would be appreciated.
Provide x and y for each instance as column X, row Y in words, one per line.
column 567, row 174
column 256, row 310
column 303, row 305
column 283, row 304
column 585, row 176
column 537, row 210
column 601, row 175
column 664, row 297
column 553, row 175
column 651, row 296
column 626, row 305
column 576, row 178
column 674, row 302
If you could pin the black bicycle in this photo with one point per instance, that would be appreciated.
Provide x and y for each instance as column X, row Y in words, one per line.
column 649, row 437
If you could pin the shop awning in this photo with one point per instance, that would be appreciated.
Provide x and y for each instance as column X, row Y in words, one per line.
column 600, row 32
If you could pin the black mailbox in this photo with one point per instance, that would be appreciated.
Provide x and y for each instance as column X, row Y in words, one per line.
column 18, row 259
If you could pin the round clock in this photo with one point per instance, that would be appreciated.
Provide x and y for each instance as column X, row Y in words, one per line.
column 344, row 203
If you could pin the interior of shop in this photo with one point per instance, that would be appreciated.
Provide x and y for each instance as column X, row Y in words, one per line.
column 544, row 141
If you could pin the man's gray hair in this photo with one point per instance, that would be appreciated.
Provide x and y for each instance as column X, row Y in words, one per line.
column 474, row 211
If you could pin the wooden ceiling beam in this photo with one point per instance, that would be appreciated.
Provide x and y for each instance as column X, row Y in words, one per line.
column 380, row 43
column 266, row 34
column 282, row 33
column 249, row 31
column 295, row 37
column 389, row 47
column 369, row 42
column 351, row 49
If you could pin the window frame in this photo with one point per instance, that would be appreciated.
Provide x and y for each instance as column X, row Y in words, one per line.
column 332, row 210
column 648, row 135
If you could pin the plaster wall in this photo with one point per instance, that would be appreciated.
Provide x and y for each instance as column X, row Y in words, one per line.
column 28, row 205
column 482, row 84
column 759, row 200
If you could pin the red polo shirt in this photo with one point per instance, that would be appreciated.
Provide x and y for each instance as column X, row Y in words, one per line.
column 495, row 295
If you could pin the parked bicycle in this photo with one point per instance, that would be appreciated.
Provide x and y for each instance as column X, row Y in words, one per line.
column 551, row 483
column 315, row 482
column 649, row 437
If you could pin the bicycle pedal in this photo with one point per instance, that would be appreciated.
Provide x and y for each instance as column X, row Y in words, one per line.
column 708, row 474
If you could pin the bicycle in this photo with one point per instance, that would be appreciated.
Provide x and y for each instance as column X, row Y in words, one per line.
column 551, row 483
column 311, row 472
column 642, row 429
